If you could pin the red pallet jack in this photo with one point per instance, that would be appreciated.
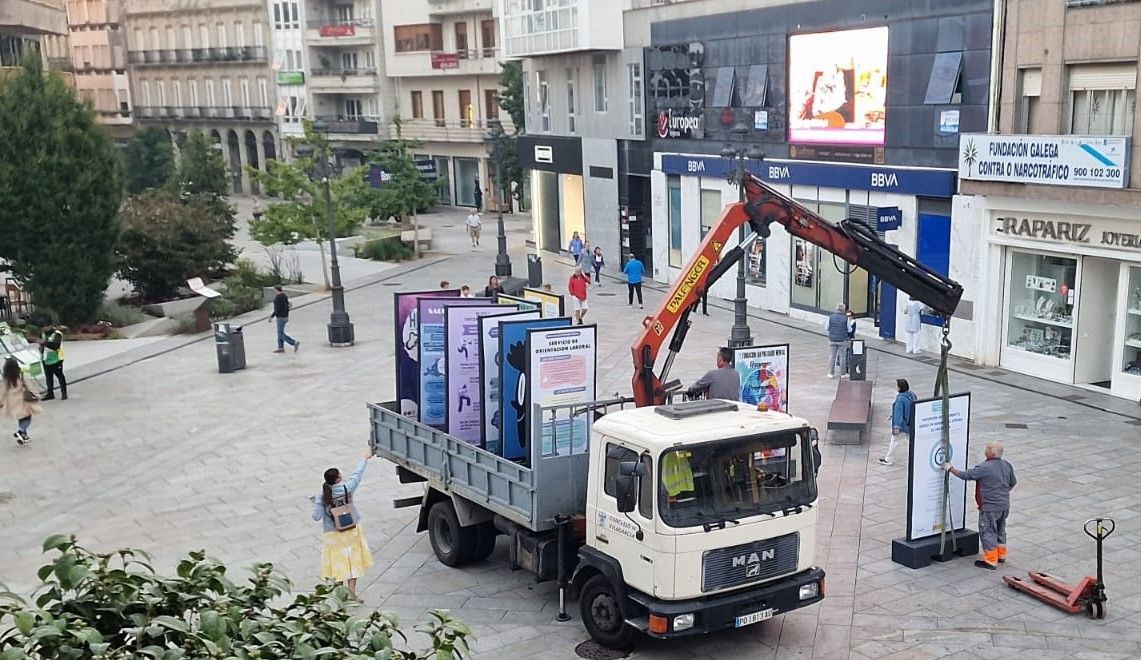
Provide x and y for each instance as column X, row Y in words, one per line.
column 1088, row 595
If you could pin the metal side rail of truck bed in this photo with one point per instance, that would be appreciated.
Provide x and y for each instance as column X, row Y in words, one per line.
column 532, row 497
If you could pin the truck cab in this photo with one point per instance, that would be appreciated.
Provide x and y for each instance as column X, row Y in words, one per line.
column 699, row 516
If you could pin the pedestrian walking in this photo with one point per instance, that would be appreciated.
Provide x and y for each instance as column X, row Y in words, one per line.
column 51, row 353
column 721, row 383
column 837, row 326
column 577, row 286
column 913, row 320
column 994, row 479
column 478, row 195
column 597, row 262
column 344, row 550
column 493, row 287
column 474, row 225
column 575, row 248
column 634, row 269
column 281, row 307
column 900, row 417
column 18, row 400
column 465, row 292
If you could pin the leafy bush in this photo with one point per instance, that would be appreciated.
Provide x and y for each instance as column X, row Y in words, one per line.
column 114, row 606
column 166, row 239
column 120, row 316
column 384, row 249
column 238, row 298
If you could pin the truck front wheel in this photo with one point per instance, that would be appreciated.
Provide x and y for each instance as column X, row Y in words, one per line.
column 454, row 545
column 602, row 615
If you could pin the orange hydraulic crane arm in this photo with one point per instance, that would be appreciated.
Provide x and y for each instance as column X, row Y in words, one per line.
column 851, row 240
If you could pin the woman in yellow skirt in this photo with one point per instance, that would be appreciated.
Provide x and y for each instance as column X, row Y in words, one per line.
column 344, row 553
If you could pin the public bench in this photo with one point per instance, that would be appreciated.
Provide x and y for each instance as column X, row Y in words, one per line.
column 409, row 236
column 851, row 411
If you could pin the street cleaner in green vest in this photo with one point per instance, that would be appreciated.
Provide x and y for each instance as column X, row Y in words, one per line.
column 52, row 356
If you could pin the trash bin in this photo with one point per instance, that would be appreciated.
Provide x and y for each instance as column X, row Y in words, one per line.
column 230, row 346
column 534, row 270
column 858, row 361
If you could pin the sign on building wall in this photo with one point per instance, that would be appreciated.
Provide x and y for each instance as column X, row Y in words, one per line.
column 687, row 124
column 1053, row 160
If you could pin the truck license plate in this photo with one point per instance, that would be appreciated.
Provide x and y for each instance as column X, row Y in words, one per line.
column 755, row 617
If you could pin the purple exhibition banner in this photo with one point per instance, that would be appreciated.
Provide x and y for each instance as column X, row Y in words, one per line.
column 406, row 346
column 461, row 353
column 433, row 359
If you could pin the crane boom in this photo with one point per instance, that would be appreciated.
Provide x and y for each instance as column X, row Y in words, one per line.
column 851, row 240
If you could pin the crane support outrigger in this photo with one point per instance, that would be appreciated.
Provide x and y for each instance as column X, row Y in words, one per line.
column 851, row 240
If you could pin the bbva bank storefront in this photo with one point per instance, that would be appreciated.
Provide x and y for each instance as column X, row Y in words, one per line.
column 791, row 276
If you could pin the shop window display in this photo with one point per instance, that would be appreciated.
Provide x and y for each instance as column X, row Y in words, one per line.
column 1042, row 304
column 1133, row 324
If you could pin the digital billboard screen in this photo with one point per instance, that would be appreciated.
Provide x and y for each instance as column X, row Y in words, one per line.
column 837, row 87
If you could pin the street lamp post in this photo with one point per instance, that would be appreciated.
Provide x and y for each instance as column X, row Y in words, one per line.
column 740, row 335
column 340, row 328
column 502, row 259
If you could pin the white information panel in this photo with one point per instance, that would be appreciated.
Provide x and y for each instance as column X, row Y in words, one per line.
column 562, row 371
column 925, row 478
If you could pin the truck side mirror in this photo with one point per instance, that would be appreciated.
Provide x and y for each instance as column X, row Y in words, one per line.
column 626, row 485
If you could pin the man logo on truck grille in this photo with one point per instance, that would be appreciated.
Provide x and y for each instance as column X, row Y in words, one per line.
column 752, row 562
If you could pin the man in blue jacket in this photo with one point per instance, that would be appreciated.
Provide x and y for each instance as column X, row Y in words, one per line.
column 900, row 417
column 634, row 269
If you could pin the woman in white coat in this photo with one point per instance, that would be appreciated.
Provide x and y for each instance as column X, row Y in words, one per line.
column 912, row 324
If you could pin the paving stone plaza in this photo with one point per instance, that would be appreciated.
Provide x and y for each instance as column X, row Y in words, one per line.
column 157, row 450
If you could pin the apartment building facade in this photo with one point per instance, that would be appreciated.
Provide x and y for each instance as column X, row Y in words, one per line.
column 443, row 57
column 24, row 24
column 289, row 58
column 584, row 147
column 349, row 94
column 205, row 66
column 96, row 52
column 1050, row 247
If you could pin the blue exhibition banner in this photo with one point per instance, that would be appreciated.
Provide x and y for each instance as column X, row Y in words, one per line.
column 407, row 318
column 433, row 360
column 514, row 400
column 911, row 181
column 489, row 363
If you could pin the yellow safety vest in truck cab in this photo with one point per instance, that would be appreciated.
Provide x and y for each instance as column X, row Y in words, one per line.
column 677, row 475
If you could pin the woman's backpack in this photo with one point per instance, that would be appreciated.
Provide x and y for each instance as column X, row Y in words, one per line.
column 343, row 518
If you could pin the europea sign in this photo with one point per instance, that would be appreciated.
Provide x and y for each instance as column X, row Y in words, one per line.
column 1104, row 234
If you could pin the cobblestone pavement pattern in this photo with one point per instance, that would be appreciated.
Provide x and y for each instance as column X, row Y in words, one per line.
column 157, row 450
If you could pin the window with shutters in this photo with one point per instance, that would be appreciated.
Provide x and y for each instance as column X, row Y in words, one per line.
column 415, row 38
column 277, row 16
column 544, row 100
column 210, row 98
column 572, row 76
column 222, row 42
column 636, row 111
column 1029, row 92
column 1102, row 99
column 263, row 92
column 203, row 36
column 239, row 34
column 601, row 98
column 417, row 105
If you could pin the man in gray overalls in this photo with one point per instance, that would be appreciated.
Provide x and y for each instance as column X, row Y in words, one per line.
column 993, row 479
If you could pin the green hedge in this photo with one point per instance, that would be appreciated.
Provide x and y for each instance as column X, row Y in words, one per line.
column 384, row 249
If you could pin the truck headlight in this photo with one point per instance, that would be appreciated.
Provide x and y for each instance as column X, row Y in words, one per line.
column 809, row 591
column 683, row 622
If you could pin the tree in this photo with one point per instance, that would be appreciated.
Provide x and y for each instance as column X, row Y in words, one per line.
column 403, row 190
column 148, row 160
column 512, row 102
column 60, row 188
column 164, row 240
column 302, row 213
column 114, row 606
column 201, row 168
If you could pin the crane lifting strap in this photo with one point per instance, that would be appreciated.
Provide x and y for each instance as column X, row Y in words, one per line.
column 943, row 389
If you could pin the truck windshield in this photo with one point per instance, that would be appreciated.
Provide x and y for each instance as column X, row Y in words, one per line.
column 720, row 482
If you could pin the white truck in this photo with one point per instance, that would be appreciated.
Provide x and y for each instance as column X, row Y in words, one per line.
column 678, row 519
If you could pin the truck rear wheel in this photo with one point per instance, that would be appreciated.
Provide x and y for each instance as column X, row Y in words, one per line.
column 602, row 615
column 454, row 545
column 484, row 541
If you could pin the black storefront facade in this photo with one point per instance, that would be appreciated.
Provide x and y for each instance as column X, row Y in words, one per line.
column 857, row 106
column 553, row 165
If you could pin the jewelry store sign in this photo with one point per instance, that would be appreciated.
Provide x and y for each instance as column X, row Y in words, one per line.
column 1053, row 160
column 1114, row 234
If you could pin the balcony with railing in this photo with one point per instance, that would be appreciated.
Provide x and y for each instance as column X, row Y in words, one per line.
column 234, row 113
column 93, row 13
column 185, row 56
column 471, row 62
column 333, row 32
column 345, row 125
column 561, row 26
column 441, row 8
column 451, row 130
column 343, row 80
